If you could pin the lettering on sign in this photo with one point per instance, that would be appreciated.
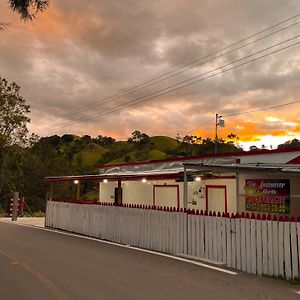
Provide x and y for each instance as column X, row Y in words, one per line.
column 268, row 195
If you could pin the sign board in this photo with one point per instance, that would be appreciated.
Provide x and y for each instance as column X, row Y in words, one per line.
column 221, row 123
column 268, row 195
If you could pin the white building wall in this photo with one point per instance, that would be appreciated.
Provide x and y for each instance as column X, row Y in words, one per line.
column 138, row 192
column 197, row 193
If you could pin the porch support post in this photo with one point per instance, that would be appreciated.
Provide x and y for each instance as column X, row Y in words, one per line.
column 78, row 191
column 119, row 198
column 185, row 188
column 51, row 191
column 237, row 182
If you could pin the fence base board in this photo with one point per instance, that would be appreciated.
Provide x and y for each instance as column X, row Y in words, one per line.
column 202, row 259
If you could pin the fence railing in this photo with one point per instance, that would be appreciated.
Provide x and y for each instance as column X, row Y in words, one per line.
column 254, row 244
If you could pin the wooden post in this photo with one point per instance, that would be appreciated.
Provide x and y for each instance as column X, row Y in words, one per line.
column 51, row 191
column 119, row 197
column 185, row 188
column 15, row 207
column 78, row 191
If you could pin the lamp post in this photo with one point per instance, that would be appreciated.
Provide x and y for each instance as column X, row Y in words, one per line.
column 77, row 183
column 219, row 122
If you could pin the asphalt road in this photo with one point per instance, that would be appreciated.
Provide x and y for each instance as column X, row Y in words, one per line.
column 38, row 264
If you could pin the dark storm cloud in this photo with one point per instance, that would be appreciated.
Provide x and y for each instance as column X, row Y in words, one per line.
column 78, row 53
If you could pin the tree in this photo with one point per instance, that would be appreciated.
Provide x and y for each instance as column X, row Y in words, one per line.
column 28, row 9
column 289, row 144
column 139, row 138
column 13, row 125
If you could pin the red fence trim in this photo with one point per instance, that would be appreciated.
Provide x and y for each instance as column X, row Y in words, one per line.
column 242, row 215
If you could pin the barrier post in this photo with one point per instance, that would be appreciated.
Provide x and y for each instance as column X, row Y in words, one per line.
column 15, row 207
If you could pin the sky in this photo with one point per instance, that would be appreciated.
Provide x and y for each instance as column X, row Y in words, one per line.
column 77, row 55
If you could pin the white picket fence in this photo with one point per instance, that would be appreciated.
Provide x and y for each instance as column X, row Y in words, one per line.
column 255, row 246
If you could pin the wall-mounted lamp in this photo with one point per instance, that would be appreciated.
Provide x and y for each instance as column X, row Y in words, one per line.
column 198, row 178
column 144, row 180
column 76, row 181
column 105, row 181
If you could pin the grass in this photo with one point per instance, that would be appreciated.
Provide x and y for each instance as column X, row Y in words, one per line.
column 164, row 143
column 90, row 155
column 156, row 154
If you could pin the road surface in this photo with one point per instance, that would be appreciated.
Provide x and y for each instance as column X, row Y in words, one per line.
column 38, row 264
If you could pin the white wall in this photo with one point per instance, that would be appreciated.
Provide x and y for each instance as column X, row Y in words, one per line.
column 137, row 192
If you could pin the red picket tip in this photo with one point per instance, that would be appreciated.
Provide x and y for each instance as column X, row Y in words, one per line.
column 219, row 214
column 201, row 212
column 197, row 212
column 258, row 217
column 263, row 217
column 281, row 219
column 247, row 216
column 275, row 218
column 210, row 214
column 214, row 214
column 292, row 219
column 253, row 216
column 269, row 218
column 243, row 215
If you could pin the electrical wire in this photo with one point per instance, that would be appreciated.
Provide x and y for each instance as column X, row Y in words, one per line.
column 178, row 70
column 261, row 109
column 149, row 97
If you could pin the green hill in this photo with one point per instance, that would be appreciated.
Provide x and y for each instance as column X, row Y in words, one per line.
column 164, row 143
column 90, row 155
column 156, row 155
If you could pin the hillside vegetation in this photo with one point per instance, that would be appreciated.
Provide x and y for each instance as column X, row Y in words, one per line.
column 74, row 155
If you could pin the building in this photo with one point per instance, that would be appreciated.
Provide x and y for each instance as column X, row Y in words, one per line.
column 260, row 181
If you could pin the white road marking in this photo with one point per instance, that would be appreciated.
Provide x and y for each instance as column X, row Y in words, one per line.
column 136, row 249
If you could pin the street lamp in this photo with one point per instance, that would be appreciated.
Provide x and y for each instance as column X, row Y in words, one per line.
column 219, row 122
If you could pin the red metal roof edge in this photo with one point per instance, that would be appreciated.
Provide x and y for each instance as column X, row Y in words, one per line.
column 112, row 177
column 182, row 158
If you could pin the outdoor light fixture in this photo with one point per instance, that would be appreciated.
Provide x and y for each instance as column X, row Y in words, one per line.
column 144, row 180
column 76, row 181
column 198, row 178
column 105, row 181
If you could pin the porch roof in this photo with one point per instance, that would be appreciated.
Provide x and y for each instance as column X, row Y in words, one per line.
column 128, row 175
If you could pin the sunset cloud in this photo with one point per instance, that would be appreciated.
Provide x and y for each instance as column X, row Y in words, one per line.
column 77, row 54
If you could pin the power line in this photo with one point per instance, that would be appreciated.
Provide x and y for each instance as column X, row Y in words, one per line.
column 261, row 109
column 178, row 70
column 151, row 96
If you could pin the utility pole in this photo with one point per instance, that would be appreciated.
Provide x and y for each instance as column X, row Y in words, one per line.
column 221, row 123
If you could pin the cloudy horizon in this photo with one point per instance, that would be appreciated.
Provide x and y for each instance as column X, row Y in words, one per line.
column 77, row 54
